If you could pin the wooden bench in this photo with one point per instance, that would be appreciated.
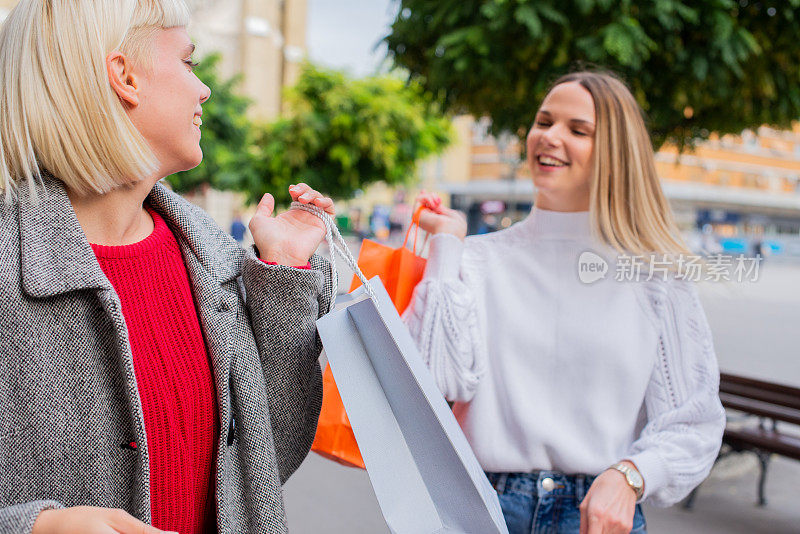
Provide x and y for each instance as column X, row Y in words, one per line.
column 771, row 405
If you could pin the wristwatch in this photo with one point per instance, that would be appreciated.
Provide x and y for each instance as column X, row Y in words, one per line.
column 632, row 476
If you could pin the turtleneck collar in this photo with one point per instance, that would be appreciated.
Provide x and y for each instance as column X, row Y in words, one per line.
column 559, row 224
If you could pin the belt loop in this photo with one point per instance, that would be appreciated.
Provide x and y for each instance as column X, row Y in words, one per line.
column 580, row 487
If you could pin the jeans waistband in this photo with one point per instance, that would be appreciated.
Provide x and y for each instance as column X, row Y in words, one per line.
column 542, row 483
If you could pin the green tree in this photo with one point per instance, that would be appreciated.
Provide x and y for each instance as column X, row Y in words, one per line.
column 341, row 134
column 694, row 66
column 227, row 134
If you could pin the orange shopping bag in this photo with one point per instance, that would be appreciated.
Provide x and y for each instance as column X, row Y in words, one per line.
column 335, row 440
column 400, row 271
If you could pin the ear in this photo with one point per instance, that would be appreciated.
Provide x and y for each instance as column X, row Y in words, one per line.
column 122, row 79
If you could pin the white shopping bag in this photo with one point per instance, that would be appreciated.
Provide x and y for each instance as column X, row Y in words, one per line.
column 424, row 473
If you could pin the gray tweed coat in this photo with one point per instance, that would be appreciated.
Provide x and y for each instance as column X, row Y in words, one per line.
column 68, row 394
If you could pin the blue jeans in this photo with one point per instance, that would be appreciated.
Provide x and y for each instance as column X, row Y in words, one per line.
column 546, row 502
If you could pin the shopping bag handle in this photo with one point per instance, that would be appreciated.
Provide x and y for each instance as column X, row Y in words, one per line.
column 415, row 224
column 337, row 245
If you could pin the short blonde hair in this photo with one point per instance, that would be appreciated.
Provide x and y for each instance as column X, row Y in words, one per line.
column 628, row 208
column 58, row 112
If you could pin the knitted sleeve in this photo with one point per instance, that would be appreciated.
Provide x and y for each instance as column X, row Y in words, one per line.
column 685, row 419
column 19, row 518
column 443, row 321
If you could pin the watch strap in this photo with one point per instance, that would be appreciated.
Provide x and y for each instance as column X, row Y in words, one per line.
column 628, row 472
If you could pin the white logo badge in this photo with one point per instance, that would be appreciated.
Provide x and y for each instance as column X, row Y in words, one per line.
column 591, row 267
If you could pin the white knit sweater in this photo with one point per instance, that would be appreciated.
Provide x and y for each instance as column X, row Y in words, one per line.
column 548, row 372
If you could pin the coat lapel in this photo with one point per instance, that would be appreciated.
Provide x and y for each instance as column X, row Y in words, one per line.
column 213, row 261
column 199, row 235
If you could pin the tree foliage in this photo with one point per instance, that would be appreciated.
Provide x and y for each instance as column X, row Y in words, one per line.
column 694, row 66
column 341, row 134
column 338, row 135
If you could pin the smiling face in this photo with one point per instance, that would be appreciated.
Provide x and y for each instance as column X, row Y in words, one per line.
column 169, row 102
column 560, row 145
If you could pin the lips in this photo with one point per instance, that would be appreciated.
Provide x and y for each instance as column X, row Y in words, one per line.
column 197, row 121
column 550, row 161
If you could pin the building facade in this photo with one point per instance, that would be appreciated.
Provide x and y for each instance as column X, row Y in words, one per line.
column 264, row 40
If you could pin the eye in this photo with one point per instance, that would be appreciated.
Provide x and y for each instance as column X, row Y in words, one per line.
column 543, row 124
column 190, row 63
column 580, row 133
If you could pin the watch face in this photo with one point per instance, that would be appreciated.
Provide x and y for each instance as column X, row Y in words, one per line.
column 635, row 478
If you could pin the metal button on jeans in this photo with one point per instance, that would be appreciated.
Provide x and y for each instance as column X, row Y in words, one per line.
column 548, row 484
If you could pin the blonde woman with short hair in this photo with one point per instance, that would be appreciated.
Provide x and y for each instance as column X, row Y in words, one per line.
column 154, row 376
column 582, row 396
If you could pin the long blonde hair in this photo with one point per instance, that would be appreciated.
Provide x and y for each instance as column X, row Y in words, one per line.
column 58, row 112
column 628, row 208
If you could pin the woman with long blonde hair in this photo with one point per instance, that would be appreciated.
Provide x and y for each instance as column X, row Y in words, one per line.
column 582, row 393
column 152, row 372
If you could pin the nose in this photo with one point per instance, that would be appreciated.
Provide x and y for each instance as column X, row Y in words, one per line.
column 205, row 94
column 552, row 135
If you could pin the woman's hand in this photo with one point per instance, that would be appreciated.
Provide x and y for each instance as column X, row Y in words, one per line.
column 440, row 220
column 90, row 520
column 609, row 505
column 292, row 237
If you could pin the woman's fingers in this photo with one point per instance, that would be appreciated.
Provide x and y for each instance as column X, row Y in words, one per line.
column 297, row 190
column 304, row 194
column 584, row 529
column 266, row 206
column 326, row 204
column 308, row 197
column 124, row 523
column 432, row 201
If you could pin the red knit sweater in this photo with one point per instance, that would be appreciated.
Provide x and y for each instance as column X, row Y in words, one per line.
column 174, row 376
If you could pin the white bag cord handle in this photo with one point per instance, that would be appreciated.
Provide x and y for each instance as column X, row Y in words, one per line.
column 337, row 245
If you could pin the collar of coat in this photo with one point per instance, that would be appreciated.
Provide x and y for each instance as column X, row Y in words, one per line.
column 56, row 257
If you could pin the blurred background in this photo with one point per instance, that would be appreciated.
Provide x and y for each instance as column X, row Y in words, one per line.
column 372, row 101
